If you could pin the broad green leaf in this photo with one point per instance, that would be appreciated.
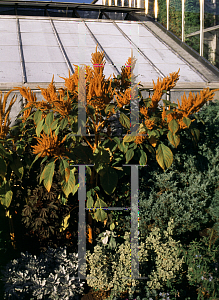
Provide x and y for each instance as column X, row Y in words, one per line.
column 173, row 126
column 39, row 127
column 117, row 140
column 174, row 139
column 124, row 120
column 164, row 156
column 46, row 128
column 90, row 202
column 123, row 148
column 68, row 187
column 64, row 123
column 64, row 170
column 129, row 138
column 57, row 130
column 100, row 215
column 48, row 173
column 6, row 194
column 109, row 181
column 143, row 158
column 17, row 167
column 100, row 203
column 54, row 124
column 129, row 155
column 3, row 167
column 187, row 121
column 49, row 118
column 37, row 116
column 101, row 159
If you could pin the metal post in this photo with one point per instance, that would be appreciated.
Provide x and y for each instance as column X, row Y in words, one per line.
column 146, row 7
column 183, row 19
column 201, row 27
column 168, row 4
column 155, row 9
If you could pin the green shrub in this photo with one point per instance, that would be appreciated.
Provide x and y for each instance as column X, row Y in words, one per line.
column 108, row 268
column 186, row 191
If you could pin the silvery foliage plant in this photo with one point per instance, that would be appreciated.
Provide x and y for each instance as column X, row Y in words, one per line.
column 50, row 276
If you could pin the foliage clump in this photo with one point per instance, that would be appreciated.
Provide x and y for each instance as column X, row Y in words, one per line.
column 50, row 276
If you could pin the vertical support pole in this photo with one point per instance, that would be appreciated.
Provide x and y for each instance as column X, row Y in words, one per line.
column 168, row 5
column 146, row 7
column 201, row 27
column 183, row 20
column 156, row 9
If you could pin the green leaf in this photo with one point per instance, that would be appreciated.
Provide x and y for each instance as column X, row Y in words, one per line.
column 3, row 167
column 129, row 138
column 112, row 226
column 149, row 148
column 129, row 155
column 109, row 107
column 49, row 119
column 48, row 173
column 37, row 116
column 173, row 126
column 109, row 181
column 168, row 103
column 39, row 127
column 17, row 167
column 64, row 170
column 6, row 194
column 187, row 121
column 164, row 156
column 100, row 203
column 101, row 159
column 100, row 215
column 123, row 148
column 90, row 202
column 69, row 187
column 174, row 139
column 54, row 124
column 63, row 123
column 57, row 130
column 124, row 120
column 46, row 129
column 143, row 158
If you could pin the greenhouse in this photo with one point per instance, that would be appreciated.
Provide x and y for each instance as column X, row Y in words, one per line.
column 42, row 39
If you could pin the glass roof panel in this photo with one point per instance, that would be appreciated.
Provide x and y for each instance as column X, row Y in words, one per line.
column 8, row 38
column 9, row 53
column 43, row 72
column 32, row 25
column 106, row 27
column 6, row 74
column 8, row 25
column 42, row 54
column 39, row 39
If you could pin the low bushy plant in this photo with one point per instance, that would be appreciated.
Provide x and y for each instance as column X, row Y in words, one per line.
column 50, row 276
column 159, row 257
